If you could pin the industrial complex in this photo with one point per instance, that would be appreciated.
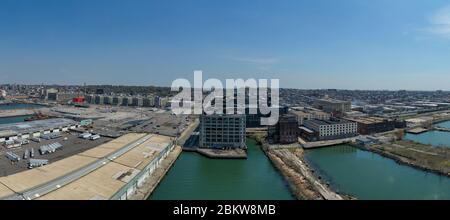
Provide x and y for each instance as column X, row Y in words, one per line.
column 113, row 170
column 67, row 146
column 80, row 150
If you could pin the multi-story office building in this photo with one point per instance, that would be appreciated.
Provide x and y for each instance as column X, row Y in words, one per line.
column 222, row 131
column 333, row 106
column 317, row 130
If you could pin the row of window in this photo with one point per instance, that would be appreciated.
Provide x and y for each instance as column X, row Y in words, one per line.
column 207, row 140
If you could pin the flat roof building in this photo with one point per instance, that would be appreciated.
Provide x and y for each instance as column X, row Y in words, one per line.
column 286, row 131
column 222, row 131
column 332, row 105
column 34, row 128
column 372, row 125
column 330, row 129
column 136, row 158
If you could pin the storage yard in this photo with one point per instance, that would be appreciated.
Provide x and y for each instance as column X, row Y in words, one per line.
column 120, row 120
column 34, row 128
column 109, row 171
column 73, row 145
column 87, row 153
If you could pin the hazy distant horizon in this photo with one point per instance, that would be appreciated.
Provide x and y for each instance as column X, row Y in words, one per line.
column 168, row 86
column 348, row 44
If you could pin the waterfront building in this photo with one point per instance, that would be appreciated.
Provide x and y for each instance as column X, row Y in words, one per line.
column 372, row 125
column 425, row 121
column 318, row 130
column 222, row 131
column 285, row 131
column 25, row 130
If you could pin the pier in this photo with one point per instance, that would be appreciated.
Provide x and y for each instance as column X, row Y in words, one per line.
column 15, row 113
column 327, row 143
column 303, row 183
column 437, row 128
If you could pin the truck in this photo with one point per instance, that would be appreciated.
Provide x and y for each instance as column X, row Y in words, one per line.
column 32, row 163
column 21, row 141
column 8, row 142
column 51, row 136
column 51, row 148
column 12, row 156
column 25, row 154
column 36, row 139
column 94, row 137
column 86, row 135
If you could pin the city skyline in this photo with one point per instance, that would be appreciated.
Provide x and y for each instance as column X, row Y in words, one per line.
column 365, row 45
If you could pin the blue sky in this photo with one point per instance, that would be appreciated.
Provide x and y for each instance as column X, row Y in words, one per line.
column 345, row 44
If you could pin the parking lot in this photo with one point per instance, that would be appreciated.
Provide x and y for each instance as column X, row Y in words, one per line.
column 162, row 123
column 73, row 145
column 165, row 124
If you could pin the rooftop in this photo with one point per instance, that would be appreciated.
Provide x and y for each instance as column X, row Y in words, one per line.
column 103, row 182
column 368, row 120
column 328, row 122
column 33, row 126
column 308, row 112
column 334, row 101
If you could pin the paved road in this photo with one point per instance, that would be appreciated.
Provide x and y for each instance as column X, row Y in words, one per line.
column 57, row 183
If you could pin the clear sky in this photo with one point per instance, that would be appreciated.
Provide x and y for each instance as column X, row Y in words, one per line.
column 345, row 44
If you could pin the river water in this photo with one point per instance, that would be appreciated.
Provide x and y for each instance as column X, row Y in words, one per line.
column 196, row 177
column 16, row 119
column 18, row 106
column 435, row 138
column 367, row 175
